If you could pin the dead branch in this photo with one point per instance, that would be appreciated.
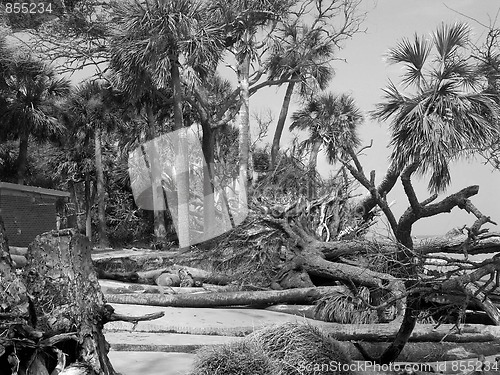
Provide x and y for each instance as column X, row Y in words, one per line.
column 134, row 319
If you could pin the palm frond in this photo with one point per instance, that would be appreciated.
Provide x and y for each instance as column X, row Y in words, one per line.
column 447, row 38
column 462, row 72
column 413, row 55
column 393, row 101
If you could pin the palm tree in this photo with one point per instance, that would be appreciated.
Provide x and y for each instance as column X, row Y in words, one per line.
column 30, row 92
column 208, row 98
column 447, row 115
column 332, row 122
column 300, row 55
column 6, row 55
column 242, row 20
column 91, row 111
column 160, row 39
column 149, row 108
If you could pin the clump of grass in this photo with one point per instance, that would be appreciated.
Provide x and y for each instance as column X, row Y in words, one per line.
column 287, row 349
column 301, row 349
column 239, row 358
column 344, row 307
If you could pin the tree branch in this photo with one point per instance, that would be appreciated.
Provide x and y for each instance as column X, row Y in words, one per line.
column 408, row 187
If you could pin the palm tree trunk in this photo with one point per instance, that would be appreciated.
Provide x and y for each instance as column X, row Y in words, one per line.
column 244, row 129
column 88, row 207
column 182, row 161
column 101, row 204
column 281, row 123
column 160, row 231
column 208, row 175
column 22, row 159
column 313, row 161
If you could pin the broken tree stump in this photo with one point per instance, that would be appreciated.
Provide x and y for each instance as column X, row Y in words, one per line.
column 67, row 298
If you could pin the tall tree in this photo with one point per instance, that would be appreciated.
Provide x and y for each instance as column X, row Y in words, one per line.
column 31, row 90
column 302, row 56
column 447, row 113
column 162, row 38
column 150, row 106
column 91, row 112
column 446, row 116
column 243, row 19
column 488, row 57
column 332, row 122
column 215, row 102
column 305, row 45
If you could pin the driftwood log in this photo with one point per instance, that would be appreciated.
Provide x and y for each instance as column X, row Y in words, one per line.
column 118, row 287
column 241, row 298
column 150, row 277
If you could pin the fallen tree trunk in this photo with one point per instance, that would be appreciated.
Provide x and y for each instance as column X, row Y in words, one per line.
column 130, row 260
column 486, row 243
column 306, row 311
column 131, row 277
column 427, row 351
column 245, row 298
column 118, row 287
column 458, row 299
column 150, row 277
column 421, row 332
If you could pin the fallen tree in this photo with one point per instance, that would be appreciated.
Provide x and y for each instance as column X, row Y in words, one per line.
column 451, row 243
column 294, row 230
column 239, row 298
column 176, row 273
column 117, row 287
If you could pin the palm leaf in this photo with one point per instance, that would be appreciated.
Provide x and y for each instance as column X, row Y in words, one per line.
column 447, row 38
column 413, row 55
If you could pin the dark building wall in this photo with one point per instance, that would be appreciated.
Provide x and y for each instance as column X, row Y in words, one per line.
column 26, row 215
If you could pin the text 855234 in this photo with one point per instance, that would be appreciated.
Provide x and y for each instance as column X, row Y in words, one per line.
column 27, row 8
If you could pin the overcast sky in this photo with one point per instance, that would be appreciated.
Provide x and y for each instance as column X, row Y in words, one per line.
column 366, row 73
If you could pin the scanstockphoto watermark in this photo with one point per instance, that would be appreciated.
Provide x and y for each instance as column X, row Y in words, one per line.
column 170, row 173
column 360, row 366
